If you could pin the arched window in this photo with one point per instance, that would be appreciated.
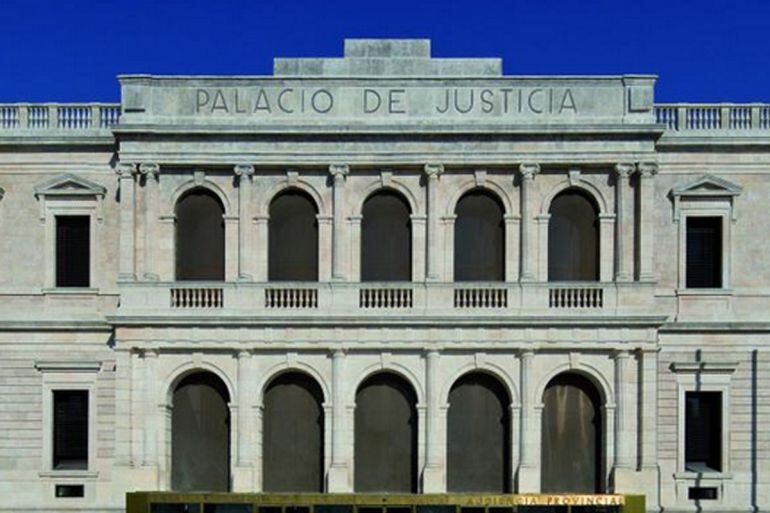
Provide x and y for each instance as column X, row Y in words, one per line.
column 293, row 239
column 478, row 435
column 386, row 238
column 293, row 435
column 200, row 237
column 571, row 455
column 573, row 238
column 200, row 434
column 386, row 435
column 479, row 238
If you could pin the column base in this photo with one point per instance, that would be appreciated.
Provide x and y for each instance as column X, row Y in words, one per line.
column 528, row 480
column 243, row 479
column 339, row 479
column 433, row 480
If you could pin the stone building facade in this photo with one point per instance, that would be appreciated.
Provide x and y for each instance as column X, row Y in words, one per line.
column 506, row 284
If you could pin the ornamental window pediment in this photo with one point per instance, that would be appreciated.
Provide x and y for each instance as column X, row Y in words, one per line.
column 69, row 185
column 705, row 188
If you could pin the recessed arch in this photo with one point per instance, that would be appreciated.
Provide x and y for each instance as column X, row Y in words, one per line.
column 386, row 237
column 497, row 372
column 200, row 236
column 479, row 238
column 298, row 366
column 393, row 185
column 394, row 368
column 572, row 443
column 293, row 433
column 385, row 439
column 573, row 237
column 490, row 186
column 479, row 435
column 595, row 375
column 300, row 185
column 180, row 372
column 207, row 184
column 293, row 236
column 583, row 184
column 200, row 433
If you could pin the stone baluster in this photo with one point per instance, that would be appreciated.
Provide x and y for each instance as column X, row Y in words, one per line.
column 624, row 229
column 244, row 172
column 432, row 172
column 151, row 172
column 647, row 172
column 126, row 262
column 528, row 172
column 338, row 172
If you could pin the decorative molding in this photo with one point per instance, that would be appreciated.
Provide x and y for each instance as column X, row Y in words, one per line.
column 386, row 177
column 433, row 170
column 647, row 169
column 573, row 175
column 706, row 186
column 624, row 169
column 528, row 170
column 480, row 177
column 69, row 185
column 704, row 367
column 199, row 177
column 67, row 366
column 125, row 169
column 339, row 171
column 149, row 169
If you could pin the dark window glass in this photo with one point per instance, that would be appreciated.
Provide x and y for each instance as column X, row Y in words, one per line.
column 478, row 443
column 386, row 238
column 703, row 432
column 200, row 435
column 386, row 436
column 571, row 454
column 479, row 238
column 70, row 429
column 293, row 435
column 73, row 251
column 573, row 238
column 704, row 252
column 293, row 244
column 200, row 237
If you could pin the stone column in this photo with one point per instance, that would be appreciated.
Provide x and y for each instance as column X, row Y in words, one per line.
column 150, row 171
column 623, row 433
column 261, row 249
column 624, row 229
column 606, row 246
column 529, row 473
column 338, row 172
column 649, row 474
column 244, row 172
column 432, row 172
column 231, row 247
column 150, row 454
column 338, row 473
column 433, row 476
column 647, row 172
column 511, row 248
column 418, row 241
column 528, row 172
column 245, row 458
column 126, row 261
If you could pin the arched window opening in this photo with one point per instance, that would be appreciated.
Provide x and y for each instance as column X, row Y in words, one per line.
column 571, row 456
column 386, row 435
column 200, row 434
column 479, row 244
column 478, row 435
column 200, row 237
column 573, row 238
column 386, row 238
column 293, row 434
column 293, row 238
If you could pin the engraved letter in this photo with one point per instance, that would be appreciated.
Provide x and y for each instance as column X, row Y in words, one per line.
column 446, row 103
column 237, row 104
column 531, row 105
column 262, row 102
column 470, row 102
column 280, row 100
column 202, row 98
column 371, row 94
column 395, row 101
column 219, row 102
column 318, row 105
column 568, row 102
column 486, row 101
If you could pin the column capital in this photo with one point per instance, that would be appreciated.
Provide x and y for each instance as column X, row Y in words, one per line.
column 339, row 171
column 150, row 170
column 433, row 170
column 242, row 354
column 528, row 170
column 621, row 354
column 624, row 169
column 243, row 170
column 338, row 352
column 647, row 169
column 125, row 169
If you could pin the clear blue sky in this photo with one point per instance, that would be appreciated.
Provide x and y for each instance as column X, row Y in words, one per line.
column 71, row 50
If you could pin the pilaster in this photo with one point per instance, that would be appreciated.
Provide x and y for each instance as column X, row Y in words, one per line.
column 243, row 476
column 432, row 173
column 244, row 173
column 646, row 197
column 339, row 473
column 624, row 230
column 338, row 172
column 151, row 172
column 127, row 262
column 528, row 172
column 434, row 473
column 529, row 472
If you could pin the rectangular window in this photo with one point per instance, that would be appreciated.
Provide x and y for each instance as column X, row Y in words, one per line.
column 70, row 429
column 703, row 432
column 73, row 260
column 704, row 252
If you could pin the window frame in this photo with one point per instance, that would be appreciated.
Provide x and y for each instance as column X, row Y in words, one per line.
column 56, row 219
column 713, row 210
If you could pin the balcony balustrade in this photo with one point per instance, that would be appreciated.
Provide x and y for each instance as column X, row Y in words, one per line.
column 717, row 118
column 330, row 299
column 61, row 118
